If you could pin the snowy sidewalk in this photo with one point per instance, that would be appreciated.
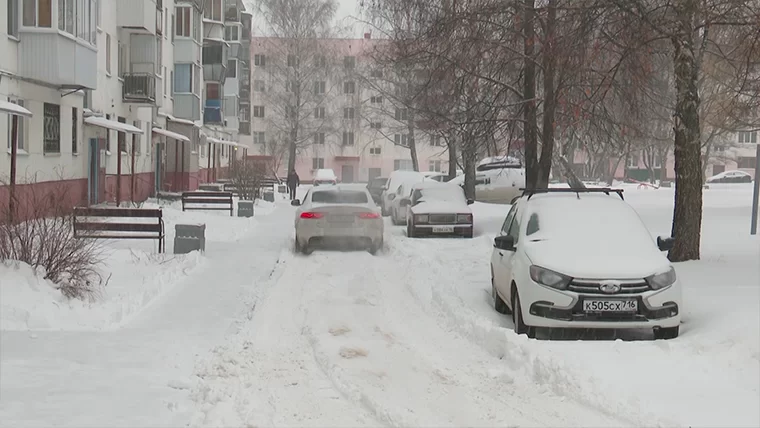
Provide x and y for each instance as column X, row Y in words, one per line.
column 139, row 375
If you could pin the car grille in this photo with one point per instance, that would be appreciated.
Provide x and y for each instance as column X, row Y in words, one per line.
column 443, row 218
column 593, row 287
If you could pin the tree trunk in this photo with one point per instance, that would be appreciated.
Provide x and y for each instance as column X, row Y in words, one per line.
column 451, row 143
column 687, row 212
column 411, row 141
column 529, row 96
column 468, row 159
column 550, row 101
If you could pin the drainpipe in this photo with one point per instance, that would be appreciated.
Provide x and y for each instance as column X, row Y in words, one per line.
column 118, row 170
column 182, row 169
column 14, row 152
column 176, row 161
column 208, row 169
column 132, row 181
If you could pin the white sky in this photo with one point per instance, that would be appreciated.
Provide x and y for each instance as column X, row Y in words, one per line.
column 348, row 13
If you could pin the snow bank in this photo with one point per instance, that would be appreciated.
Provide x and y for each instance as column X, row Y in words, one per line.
column 29, row 302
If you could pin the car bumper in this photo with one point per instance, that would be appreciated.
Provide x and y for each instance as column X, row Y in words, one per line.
column 428, row 229
column 316, row 235
column 562, row 309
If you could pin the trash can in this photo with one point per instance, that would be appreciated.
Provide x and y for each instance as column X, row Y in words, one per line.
column 189, row 237
column 245, row 209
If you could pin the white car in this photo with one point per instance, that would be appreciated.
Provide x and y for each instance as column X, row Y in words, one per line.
column 340, row 214
column 325, row 176
column 435, row 175
column 438, row 209
column 734, row 176
column 401, row 198
column 391, row 186
column 570, row 258
column 497, row 183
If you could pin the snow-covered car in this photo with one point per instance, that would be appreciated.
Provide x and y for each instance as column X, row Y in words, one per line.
column 438, row 209
column 735, row 176
column 583, row 259
column 496, row 182
column 375, row 188
column 325, row 176
column 340, row 214
column 401, row 199
column 394, row 180
column 435, row 175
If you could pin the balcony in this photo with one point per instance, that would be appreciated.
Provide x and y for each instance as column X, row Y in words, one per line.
column 140, row 16
column 139, row 88
column 212, row 113
column 187, row 106
column 214, row 60
column 244, row 128
column 57, row 59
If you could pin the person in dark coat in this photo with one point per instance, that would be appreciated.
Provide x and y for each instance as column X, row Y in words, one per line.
column 293, row 182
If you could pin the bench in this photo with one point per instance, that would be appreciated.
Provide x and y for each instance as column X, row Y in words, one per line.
column 95, row 223
column 221, row 200
column 229, row 187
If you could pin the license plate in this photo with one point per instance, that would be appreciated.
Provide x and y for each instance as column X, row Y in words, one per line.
column 610, row 305
column 443, row 229
column 342, row 218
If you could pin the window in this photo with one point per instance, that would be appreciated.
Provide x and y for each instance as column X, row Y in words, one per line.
column 401, row 114
column 508, row 220
column 108, row 54
column 293, row 61
column 349, row 87
column 136, row 141
column 291, row 85
column 403, row 164
column 259, row 137
column 159, row 21
column 258, row 111
column 230, row 105
column 401, row 140
column 376, row 100
column 319, row 113
column 12, row 18
column 349, row 112
column 245, row 113
column 66, row 12
column 121, row 60
column 434, row 165
column 171, row 79
column 291, row 112
column 212, row 91
column 21, row 127
column 375, row 125
column 341, row 197
column 38, row 13
column 259, row 60
column 108, row 136
column 258, row 86
column 749, row 137
column 375, row 151
column 378, row 74
column 348, row 138
column 182, row 22
column 74, row 130
column 514, row 228
column 317, row 163
column 196, row 26
column 435, row 141
column 51, row 128
column 183, row 78
column 319, row 138
column 213, row 10
column 121, row 137
column 319, row 87
column 320, row 61
column 633, row 160
column 349, row 62
column 232, row 33
column 232, row 68
column 656, row 164
column 745, row 162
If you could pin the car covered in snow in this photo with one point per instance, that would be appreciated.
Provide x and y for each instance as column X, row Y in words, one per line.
column 391, row 187
column 325, row 176
column 435, row 175
column 375, row 188
column 734, row 176
column 438, row 209
column 401, row 198
column 497, row 180
column 342, row 214
column 583, row 258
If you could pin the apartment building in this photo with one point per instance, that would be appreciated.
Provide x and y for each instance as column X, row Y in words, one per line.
column 116, row 89
column 343, row 123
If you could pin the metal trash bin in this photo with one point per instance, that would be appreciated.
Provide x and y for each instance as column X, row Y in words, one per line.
column 245, row 209
column 269, row 196
column 189, row 237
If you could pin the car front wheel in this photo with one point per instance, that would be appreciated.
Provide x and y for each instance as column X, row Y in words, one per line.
column 517, row 317
column 498, row 304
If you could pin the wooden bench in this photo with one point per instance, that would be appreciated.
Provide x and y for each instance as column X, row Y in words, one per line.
column 229, row 187
column 97, row 223
column 222, row 201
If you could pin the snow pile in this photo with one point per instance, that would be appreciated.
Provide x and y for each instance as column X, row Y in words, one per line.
column 29, row 302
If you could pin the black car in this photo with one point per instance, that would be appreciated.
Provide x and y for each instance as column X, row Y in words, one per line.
column 376, row 187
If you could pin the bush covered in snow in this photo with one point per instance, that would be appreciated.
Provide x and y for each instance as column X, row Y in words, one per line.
column 37, row 228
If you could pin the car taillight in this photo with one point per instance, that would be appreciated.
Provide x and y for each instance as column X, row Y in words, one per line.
column 369, row 215
column 313, row 215
column 464, row 218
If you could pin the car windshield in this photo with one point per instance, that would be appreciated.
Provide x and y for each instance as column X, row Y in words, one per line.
column 339, row 197
column 378, row 182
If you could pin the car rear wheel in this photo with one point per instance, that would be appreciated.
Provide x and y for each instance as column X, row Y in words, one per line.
column 374, row 248
column 517, row 317
column 666, row 333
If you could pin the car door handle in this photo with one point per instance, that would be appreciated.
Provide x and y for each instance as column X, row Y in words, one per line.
column 501, row 254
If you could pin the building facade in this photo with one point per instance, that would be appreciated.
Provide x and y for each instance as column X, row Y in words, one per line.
column 344, row 122
column 117, row 92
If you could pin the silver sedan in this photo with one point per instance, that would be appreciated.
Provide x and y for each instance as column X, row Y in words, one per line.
column 341, row 214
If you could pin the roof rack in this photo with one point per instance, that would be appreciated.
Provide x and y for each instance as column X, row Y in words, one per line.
column 576, row 190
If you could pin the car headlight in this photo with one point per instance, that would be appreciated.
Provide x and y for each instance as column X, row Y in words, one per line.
column 421, row 218
column 549, row 278
column 662, row 280
column 464, row 218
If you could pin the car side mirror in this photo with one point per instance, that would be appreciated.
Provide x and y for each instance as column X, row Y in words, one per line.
column 665, row 243
column 392, row 196
column 295, row 203
column 405, row 202
column 470, row 201
column 504, row 242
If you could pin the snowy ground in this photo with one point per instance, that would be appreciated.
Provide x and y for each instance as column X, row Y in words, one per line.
column 250, row 334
